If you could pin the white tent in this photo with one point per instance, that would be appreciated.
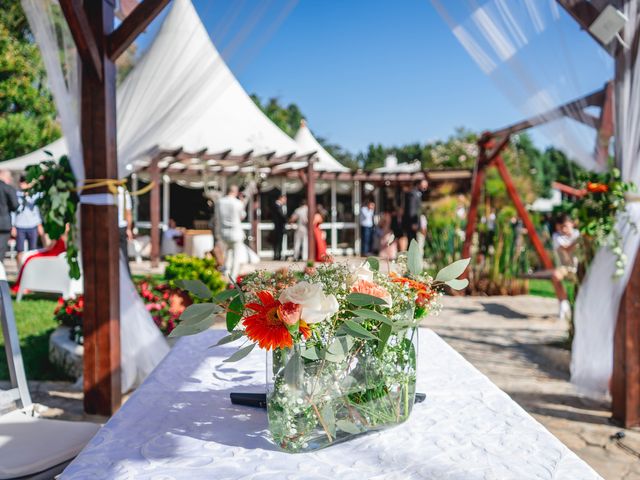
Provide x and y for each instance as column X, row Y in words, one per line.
column 19, row 164
column 181, row 94
column 307, row 143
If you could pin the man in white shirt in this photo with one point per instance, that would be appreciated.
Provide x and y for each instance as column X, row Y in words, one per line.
column 301, row 237
column 125, row 223
column 367, row 212
column 565, row 245
column 230, row 211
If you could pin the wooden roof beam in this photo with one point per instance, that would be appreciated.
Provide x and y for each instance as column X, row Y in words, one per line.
column 132, row 26
column 585, row 13
column 82, row 33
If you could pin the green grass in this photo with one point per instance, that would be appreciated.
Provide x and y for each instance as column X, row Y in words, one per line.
column 35, row 322
column 544, row 288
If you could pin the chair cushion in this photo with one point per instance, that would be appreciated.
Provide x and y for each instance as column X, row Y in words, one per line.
column 29, row 445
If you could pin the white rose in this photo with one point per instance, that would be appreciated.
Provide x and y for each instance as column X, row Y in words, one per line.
column 363, row 272
column 318, row 312
column 303, row 293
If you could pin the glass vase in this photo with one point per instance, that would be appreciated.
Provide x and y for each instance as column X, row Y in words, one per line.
column 351, row 387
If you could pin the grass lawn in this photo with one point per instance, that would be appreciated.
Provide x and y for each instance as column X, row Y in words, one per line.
column 34, row 319
column 544, row 288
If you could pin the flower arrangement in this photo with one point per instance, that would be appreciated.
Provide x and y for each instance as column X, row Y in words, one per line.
column 342, row 342
column 602, row 199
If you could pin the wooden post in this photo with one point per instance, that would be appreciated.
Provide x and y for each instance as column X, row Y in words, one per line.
column 531, row 229
column 154, row 200
column 311, row 205
column 476, row 190
column 100, row 236
column 625, row 382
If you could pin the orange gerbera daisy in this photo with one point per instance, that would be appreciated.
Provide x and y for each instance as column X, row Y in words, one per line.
column 266, row 327
column 594, row 187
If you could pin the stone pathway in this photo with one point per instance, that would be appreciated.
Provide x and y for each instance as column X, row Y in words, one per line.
column 509, row 339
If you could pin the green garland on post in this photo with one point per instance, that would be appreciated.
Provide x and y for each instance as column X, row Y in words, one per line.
column 53, row 184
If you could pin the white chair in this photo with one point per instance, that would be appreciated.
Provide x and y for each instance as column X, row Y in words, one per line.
column 31, row 447
column 48, row 274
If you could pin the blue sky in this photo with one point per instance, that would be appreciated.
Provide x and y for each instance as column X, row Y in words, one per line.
column 375, row 71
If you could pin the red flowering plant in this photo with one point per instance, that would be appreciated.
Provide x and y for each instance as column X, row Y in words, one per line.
column 69, row 314
column 164, row 303
column 596, row 211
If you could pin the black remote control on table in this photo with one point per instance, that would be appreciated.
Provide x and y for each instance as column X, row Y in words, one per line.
column 259, row 400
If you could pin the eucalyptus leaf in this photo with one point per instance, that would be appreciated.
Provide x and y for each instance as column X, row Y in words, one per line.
column 293, row 370
column 240, row 354
column 357, row 330
column 363, row 300
column 312, row 353
column 347, row 426
column 452, row 271
column 385, row 333
column 414, row 258
column 374, row 263
column 229, row 338
column 457, row 284
column 225, row 295
column 329, row 418
column 234, row 313
column 183, row 330
column 198, row 311
column 372, row 314
column 195, row 287
column 338, row 349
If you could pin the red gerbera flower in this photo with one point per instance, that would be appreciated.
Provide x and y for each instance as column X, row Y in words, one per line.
column 266, row 327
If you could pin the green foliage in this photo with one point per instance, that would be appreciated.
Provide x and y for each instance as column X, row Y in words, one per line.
column 53, row 185
column 27, row 111
column 287, row 117
column 183, row 267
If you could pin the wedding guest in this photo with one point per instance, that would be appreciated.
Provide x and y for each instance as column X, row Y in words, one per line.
column 279, row 222
column 172, row 239
column 565, row 245
column 412, row 208
column 318, row 234
column 367, row 225
column 218, row 244
column 300, row 238
column 388, row 242
column 8, row 204
column 231, row 211
column 27, row 223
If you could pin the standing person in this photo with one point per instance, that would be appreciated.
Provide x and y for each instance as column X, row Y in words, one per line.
column 367, row 212
column 412, row 208
column 279, row 222
column 214, row 226
column 27, row 221
column 300, row 238
column 565, row 242
column 8, row 204
column 230, row 212
column 318, row 235
column 125, row 223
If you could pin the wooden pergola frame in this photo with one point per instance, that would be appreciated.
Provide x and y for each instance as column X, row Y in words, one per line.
column 492, row 144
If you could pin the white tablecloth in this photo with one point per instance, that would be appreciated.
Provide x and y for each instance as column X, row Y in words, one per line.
column 180, row 424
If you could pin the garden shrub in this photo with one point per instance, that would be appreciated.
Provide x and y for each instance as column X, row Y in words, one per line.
column 184, row 267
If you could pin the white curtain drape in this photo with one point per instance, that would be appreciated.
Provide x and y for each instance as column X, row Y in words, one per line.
column 142, row 344
column 599, row 297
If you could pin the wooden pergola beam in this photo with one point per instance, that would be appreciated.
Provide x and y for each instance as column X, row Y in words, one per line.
column 132, row 26
column 82, row 34
column 585, row 13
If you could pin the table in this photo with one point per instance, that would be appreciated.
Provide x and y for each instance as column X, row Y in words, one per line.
column 180, row 424
column 197, row 243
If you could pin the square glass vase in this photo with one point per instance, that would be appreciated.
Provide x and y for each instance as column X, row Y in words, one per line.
column 354, row 386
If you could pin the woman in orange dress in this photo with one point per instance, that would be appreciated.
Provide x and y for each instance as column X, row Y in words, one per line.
column 321, row 243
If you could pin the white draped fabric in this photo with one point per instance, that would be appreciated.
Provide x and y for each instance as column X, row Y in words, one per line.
column 599, row 297
column 142, row 343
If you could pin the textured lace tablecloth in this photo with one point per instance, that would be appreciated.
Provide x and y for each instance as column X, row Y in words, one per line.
column 180, row 424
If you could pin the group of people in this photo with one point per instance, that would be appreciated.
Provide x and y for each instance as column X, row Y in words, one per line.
column 393, row 230
column 300, row 218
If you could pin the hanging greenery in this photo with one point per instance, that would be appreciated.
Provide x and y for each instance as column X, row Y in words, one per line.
column 603, row 198
column 54, row 186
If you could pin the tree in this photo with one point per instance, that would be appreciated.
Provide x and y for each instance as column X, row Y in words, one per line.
column 27, row 111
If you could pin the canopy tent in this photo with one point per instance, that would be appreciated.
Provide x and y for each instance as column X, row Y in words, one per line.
column 307, row 143
column 181, row 96
column 19, row 164
column 391, row 165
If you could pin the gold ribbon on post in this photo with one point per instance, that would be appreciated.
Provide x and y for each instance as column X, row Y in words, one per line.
column 112, row 185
